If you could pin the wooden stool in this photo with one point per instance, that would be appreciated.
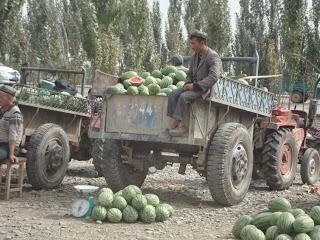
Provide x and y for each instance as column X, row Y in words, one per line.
column 8, row 186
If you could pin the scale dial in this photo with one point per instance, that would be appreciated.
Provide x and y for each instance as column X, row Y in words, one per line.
column 80, row 208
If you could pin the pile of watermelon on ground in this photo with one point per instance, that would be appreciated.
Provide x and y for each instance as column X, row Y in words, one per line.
column 129, row 205
column 279, row 222
column 159, row 82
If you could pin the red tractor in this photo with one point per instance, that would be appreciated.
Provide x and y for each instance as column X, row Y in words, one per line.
column 281, row 142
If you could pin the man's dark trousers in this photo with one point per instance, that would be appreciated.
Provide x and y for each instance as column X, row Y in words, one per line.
column 178, row 102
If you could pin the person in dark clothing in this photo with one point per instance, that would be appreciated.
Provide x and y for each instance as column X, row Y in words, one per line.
column 204, row 71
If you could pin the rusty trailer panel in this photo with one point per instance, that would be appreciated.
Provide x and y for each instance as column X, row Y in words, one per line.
column 143, row 118
column 34, row 117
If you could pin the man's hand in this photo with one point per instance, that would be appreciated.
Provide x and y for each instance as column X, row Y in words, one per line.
column 188, row 87
column 11, row 158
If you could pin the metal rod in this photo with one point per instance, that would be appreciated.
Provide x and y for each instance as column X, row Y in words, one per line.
column 257, row 67
column 83, row 80
column 51, row 70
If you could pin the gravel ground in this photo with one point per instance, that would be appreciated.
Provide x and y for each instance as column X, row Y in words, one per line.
column 45, row 214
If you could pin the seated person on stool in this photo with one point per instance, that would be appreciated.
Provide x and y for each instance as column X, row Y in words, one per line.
column 204, row 71
column 11, row 126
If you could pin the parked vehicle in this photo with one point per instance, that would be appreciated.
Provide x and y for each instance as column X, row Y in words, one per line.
column 54, row 129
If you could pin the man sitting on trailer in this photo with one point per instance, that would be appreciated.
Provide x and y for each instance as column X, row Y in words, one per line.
column 10, row 124
column 204, row 71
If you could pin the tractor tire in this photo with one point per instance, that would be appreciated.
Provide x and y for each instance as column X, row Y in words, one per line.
column 280, row 159
column 298, row 97
column 95, row 162
column 229, row 164
column 310, row 166
column 117, row 174
column 48, row 154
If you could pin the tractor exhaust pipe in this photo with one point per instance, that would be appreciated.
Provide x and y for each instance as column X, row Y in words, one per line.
column 312, row 112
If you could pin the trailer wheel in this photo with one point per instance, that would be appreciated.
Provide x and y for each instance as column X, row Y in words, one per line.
column 230, row 163
column 117, row 174
column 47, row 157
column 310, row 167
column 280, row 158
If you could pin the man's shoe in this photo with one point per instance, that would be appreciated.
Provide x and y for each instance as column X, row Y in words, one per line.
column 178, row 132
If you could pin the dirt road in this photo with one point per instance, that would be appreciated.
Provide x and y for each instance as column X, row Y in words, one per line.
column 45, row 214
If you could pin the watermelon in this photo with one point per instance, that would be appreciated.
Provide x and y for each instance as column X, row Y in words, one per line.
column 262, row 221
column 240, row 224
column 150, row 80
column 279, row 204
column 152, row 199
column 297, row 211
column 315, row 214
column 250, row 232
column 156, row 74
column 139, row 202
column 129, row 193
column 115, row 90
column 144, row 75
column 133, row 90
column 180, row 84
column 65, row 93
column 99, row 213
column 181, row 75
column 162, row 94
column 285, row 222
column 173, row 87
column 136, row 188
column 136, row 81
column 315, row 234
column 143, row 90
column 272, row 232
column 119, row 193
column 168, row 69
column 274, row 218
column 148, row 214
column 303, row 224
column 283, row 237
column 105, row 199
column 128, row 75
column 242, row 81
column 105, row 189
column 167, row 91
column 158, row 80
column 129, row 214
column 119, row 202
column 302, row 236
column 119, row 85
column 172, row 75
column 154, row 89
column 166, row 82
column 183, row 68
column 162, row 213
column 127, row 83
column 169, row 207
column 114, row 215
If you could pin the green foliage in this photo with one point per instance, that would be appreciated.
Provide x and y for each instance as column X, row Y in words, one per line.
column 217, row 25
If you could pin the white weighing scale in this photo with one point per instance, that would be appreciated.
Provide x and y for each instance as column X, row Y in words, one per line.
column 82, row 206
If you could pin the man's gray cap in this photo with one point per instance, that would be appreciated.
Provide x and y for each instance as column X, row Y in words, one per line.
column 8, row 90
column 199, row 34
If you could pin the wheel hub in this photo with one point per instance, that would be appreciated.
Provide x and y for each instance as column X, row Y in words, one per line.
column 286, row 159
column 54, row 156
column 312, row 167
column 239, row 165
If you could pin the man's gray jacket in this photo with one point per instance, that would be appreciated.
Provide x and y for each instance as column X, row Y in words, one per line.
column 204, row 74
